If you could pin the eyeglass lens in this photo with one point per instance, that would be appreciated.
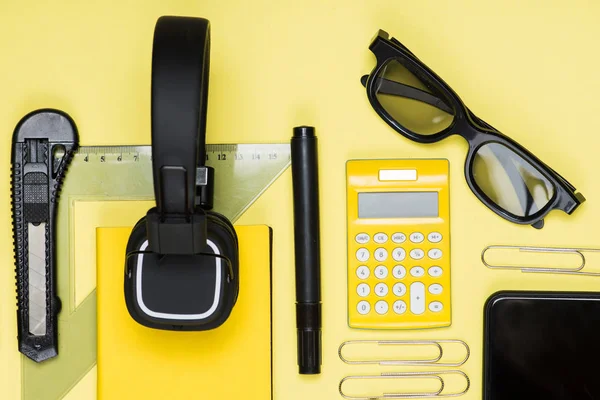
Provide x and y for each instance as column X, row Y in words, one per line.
column 509, row 181
column 410, row 102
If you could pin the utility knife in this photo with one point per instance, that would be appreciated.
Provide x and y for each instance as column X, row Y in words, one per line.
column 42, row 147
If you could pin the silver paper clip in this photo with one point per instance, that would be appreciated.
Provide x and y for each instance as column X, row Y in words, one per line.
column 430, row 375
column 575, row 270
column 433, row 361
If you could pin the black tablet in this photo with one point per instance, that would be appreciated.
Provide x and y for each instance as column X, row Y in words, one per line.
column 542, row 345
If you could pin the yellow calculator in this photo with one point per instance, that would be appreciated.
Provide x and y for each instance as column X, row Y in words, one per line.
column 398, row 244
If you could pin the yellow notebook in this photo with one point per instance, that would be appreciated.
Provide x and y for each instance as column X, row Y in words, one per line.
column 230, row 362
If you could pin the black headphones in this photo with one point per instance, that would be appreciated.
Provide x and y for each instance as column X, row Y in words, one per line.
column 181, row 269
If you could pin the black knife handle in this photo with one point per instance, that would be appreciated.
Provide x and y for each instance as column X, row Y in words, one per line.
column 43, row 145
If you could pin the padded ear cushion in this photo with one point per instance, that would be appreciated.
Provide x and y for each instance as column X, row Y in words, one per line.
column 221, row 219
column 222, row 234
column 137, row 237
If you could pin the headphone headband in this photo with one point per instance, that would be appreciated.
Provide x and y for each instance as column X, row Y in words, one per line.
column 180, row 67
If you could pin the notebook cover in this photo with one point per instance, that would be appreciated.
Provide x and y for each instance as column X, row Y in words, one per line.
column 230, row 362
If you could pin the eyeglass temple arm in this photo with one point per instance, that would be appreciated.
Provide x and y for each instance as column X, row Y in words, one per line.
column 387, row 86
column 394, row 40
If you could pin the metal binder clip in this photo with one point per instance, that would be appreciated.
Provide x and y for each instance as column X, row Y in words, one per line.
column 576, row 270
column 431, row 375
column 434, row 361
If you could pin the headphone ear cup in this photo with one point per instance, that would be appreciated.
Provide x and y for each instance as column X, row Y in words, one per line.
column 221, row 219
column 136, row 239
column 222, row 232
column 138, row 236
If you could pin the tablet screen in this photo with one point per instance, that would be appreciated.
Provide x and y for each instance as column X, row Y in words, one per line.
column 542, row 346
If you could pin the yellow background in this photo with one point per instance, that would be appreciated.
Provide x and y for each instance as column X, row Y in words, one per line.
column 528, row 67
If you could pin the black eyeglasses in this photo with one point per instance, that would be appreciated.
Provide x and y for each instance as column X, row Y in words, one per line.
column 504, row 175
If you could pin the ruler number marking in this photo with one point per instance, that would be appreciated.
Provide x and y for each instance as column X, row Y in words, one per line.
column 228, row 153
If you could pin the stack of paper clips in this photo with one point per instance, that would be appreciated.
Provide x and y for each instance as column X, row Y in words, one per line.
column 439, row 376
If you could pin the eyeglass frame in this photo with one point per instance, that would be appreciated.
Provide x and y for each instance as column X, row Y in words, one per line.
column 467, row 125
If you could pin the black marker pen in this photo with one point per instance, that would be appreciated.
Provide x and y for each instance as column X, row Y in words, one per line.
column 307, row 248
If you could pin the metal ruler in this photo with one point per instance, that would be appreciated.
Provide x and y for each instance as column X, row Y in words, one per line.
column 110, row 173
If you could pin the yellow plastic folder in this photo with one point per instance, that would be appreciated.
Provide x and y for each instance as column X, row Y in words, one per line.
column 230, row 362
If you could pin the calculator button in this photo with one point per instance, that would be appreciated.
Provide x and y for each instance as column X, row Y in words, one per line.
column 417, row 298
column 417, row 272
column 381, row 254
column 398, row 254
column 417, row 254
column 399, row 272
column 416, row 237
column 434, row 254
column 381, row 289
column 436, row 306
column 380, row 238
column 363, row 307
column 434, row 237
column 362, row 254
column 398, row 237
column 399, row 307
column 363, row 272
column 436, row 288
column 362, row 238
column 435, row 271
column 381, row 307
column 363, row 290
column 381, row 272
column 399, row 289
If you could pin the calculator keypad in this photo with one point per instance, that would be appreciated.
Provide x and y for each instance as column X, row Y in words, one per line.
column 400, row 275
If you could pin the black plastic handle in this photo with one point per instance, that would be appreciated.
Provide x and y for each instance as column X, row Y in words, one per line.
column 43, row 146
column 180, row 68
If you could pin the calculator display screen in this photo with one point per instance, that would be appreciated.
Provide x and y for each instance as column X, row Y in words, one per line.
column 398, row 205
